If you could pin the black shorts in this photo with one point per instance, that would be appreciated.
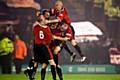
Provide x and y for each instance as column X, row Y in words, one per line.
column 56, row 57
column 42, row 53
column 55, row 43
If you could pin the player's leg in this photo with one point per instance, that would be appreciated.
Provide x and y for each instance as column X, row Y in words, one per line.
column 45, row 56
column 72, row 54
column 33, row 64
column 55, row 56
column 26, row 72
column 53, row 68
column 49, row 57
column 74, row 44
column 59, row 72
column 30, row 73
column 58, row 68
column 33, row 72
column 31, row 69
column 43, row 71
column 57, row 50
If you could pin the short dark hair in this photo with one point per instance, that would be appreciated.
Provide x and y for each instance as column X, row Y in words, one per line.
column 44, row 11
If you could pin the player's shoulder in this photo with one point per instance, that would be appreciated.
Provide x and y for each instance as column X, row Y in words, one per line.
column 65, row 10
column 36, row 23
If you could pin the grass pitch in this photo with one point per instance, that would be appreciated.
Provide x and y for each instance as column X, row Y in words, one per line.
column 66, row 77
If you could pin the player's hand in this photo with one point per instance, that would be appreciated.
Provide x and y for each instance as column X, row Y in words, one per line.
column 47, row 21
column 37, row 13
column 54, row 37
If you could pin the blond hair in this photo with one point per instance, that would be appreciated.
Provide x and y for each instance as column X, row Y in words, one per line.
column 59, row 2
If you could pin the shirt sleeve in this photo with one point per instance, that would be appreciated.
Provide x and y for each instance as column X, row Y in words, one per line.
column 68, row 33
column 60, row 17
column 25, row 49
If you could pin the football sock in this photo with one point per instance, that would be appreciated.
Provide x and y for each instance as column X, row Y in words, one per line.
column 79, row 50
column 55, row 58
column 59, row 72
column 43, row 72
column 68, row 50
column 53, row 70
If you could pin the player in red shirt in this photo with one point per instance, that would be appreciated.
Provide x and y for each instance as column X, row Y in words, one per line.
column 54, row 43
column 61, row 34
column 60, row 37
column 62, row 16
column 42, row 52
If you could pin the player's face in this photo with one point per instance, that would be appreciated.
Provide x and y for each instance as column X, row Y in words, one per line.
column 42, row 19
column 63, row 27
column 47, row 15
column 58, row 6
column 54, row 26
